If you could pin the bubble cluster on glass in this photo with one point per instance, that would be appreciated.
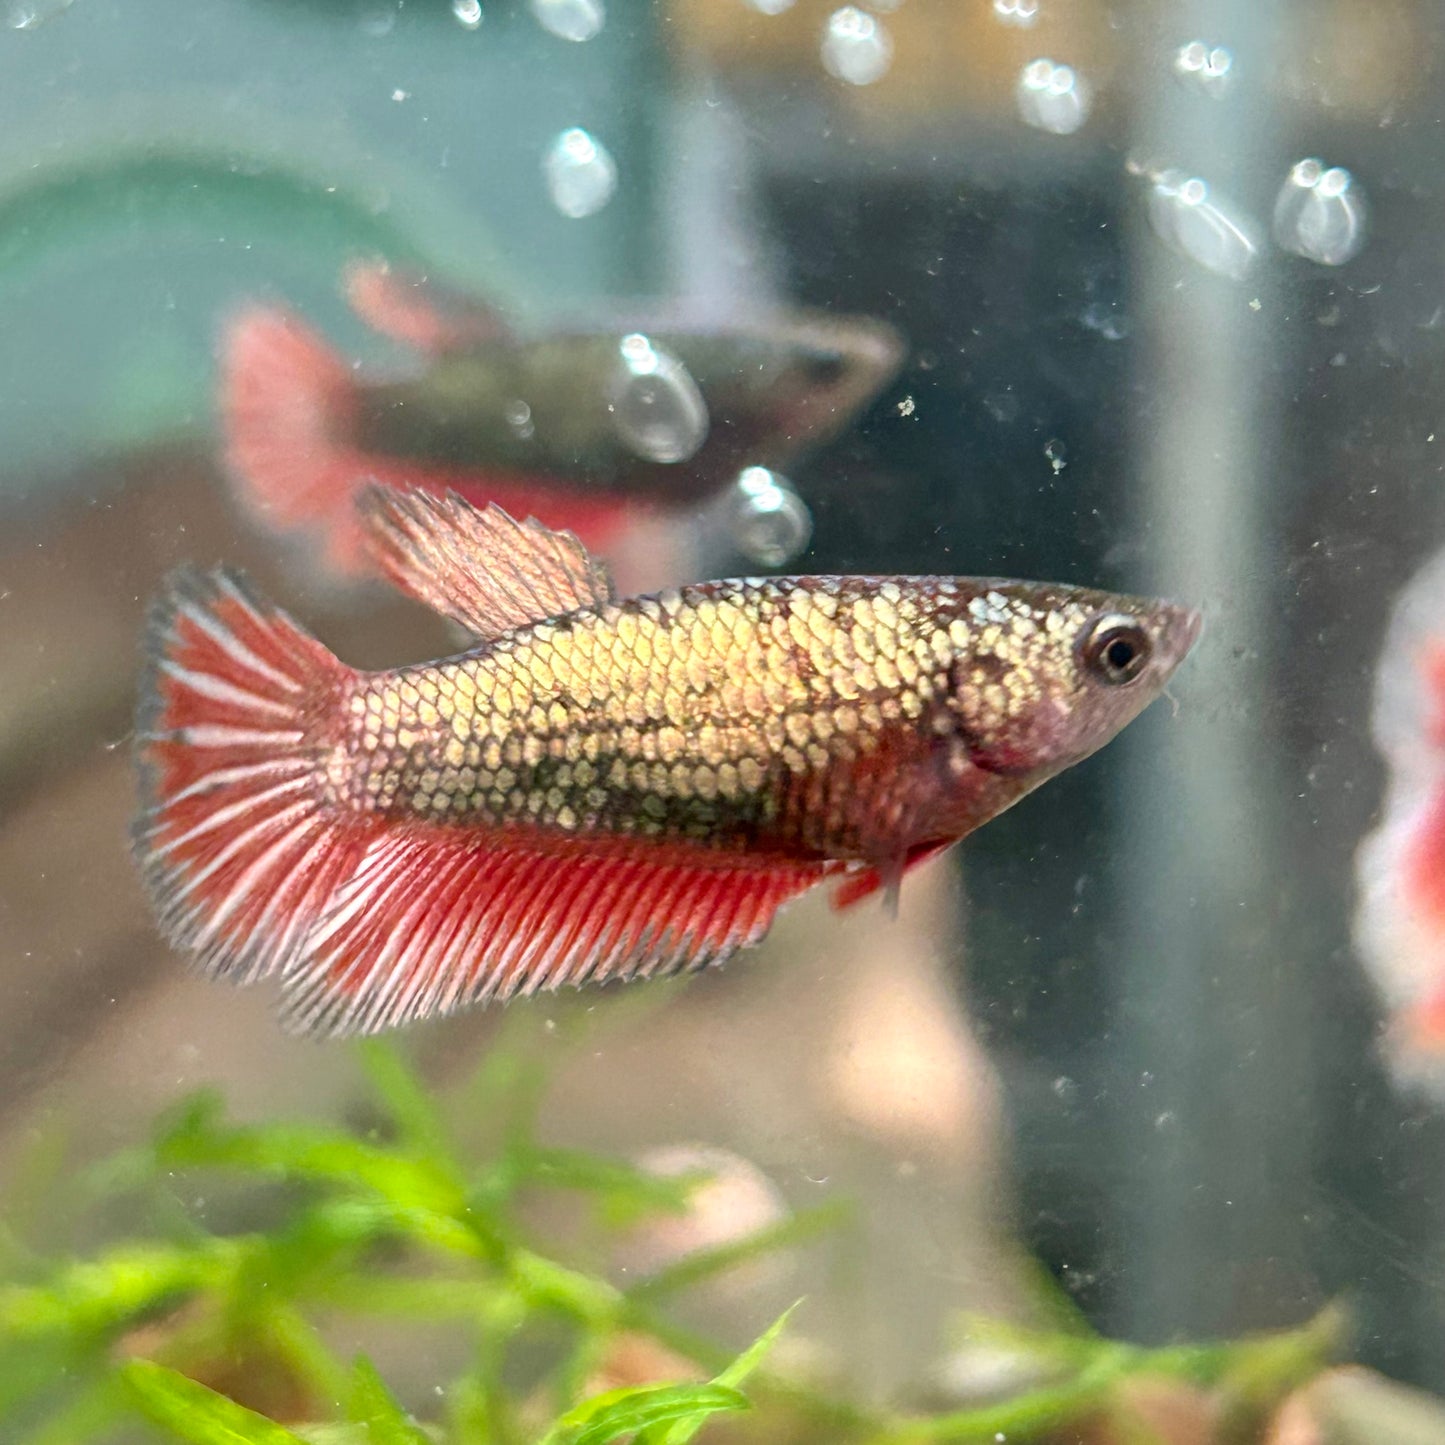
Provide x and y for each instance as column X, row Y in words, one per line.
column 1052, row 97
column 1210, row 68
column 856, row 46
column 657, row 410
column 468, row 13
column 1201, row 226
column 581, row 175
column 768, row 521
column 1320, row 213
column 1021, row 13
column 576, row 20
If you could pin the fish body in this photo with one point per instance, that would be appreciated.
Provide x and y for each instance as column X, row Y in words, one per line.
column 599, row 787
column 1399, row 923
column 574, row 425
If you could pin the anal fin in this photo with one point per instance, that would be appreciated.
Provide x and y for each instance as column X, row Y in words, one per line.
column 435, row 918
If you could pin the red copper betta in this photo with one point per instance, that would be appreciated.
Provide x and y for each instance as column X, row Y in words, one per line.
column 598, row 788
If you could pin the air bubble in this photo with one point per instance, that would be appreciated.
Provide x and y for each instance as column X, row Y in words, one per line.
column 581, row 176
column 577, row 20
column 1320, row 213
column 1208, row 67
column 657, row 409
column 772, row 7
column 1201, row 227
column 1021, row 13
column 519, row 419
column 1052, row 97
column 468, row 12
column 769, row 522
column 856, row 47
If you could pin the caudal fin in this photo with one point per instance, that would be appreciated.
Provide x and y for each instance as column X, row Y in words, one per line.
column 237, row 841
column 287, row 406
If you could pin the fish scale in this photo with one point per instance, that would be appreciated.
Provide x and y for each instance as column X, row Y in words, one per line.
column 705, row 711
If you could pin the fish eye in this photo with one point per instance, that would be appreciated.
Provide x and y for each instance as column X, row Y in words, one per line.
column 1115, row 649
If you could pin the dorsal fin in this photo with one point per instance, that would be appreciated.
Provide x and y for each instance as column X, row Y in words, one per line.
column 419, row 312
column 483, row 568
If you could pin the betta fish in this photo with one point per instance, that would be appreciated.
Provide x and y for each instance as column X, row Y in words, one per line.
column 575, row 426
column 597, row 788
column 1399, row 922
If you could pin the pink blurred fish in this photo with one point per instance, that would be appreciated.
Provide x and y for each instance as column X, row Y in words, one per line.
column 1400, row 868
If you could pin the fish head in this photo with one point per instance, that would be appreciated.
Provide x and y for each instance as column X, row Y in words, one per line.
column 825, row 370
column 1044, row 675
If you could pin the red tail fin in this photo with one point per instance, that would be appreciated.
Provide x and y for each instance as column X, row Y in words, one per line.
column 287, row 406
column 237, row 841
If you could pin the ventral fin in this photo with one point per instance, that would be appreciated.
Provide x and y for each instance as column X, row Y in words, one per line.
column 435, row 919
column 886, row 877
column 418, row 312
column 479, row 566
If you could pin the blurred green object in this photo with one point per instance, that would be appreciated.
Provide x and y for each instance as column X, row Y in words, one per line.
column 222, row 1336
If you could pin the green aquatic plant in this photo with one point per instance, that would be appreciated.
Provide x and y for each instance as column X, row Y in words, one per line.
column 193, row 1332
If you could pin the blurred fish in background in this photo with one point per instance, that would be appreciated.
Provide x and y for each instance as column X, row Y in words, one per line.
column 1400, row 917
column 582, row 427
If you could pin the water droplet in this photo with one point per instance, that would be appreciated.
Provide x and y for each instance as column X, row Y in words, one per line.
column 468, row 12
column 1022, row 13
column 856, row 47
column 377, row 18
column 1208, row 67
column 1064, row 1087
column 1200, row 226
column 570, row 19
column 581, row 176
column 657, row 409
column 519, row 418
column 769, row 522
column 1057, row 454
column 1052, row 97
column 771, row 7
column 1166, row 1120
column 1320, row 214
